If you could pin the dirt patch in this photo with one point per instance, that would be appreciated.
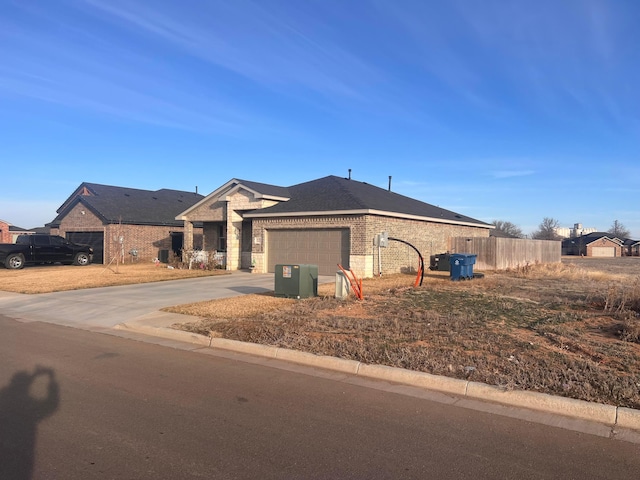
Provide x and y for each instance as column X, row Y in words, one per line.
column 568, row 329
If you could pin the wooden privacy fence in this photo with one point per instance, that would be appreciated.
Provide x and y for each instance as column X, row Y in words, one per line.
column 496, row 253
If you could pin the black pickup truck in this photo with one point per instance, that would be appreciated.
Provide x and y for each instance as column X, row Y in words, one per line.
column 41, row 248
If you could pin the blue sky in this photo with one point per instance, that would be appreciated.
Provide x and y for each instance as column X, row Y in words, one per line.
column 505, row 110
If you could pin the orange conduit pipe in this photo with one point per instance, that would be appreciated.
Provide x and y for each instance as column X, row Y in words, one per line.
column 356, row 284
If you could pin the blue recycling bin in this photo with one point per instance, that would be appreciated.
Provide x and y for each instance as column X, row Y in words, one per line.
column 462, row 265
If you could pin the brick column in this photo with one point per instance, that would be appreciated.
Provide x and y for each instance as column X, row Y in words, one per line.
column 234, row 239
column 188, row 236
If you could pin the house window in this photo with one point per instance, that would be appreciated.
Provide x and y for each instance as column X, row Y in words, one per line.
column 247, row 235
column 222, row 240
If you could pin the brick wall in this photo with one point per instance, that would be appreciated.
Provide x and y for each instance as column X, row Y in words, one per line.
column 5, row 235
column 428, row 237
column 209, row 212
column 148, row 240
column 211, row 236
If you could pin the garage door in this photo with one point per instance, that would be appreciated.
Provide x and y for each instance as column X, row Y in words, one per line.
column 603, row 252
column 94, row 239
column 323, row 247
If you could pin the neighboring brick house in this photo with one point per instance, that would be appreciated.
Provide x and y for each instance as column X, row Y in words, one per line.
column 5, row 235
column 631, row 248
column 9, row 233
column 326, row 222
column 595, row 244
column 118, row 221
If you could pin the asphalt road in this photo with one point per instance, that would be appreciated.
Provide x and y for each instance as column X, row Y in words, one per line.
column 77, row 404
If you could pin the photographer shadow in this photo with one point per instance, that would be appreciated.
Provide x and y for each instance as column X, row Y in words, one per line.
column 28, row 399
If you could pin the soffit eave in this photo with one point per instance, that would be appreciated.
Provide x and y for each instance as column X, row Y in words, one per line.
column 324, row 213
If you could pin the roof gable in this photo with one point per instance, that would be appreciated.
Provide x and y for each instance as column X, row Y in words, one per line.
column 259, row 191
column 265, row 190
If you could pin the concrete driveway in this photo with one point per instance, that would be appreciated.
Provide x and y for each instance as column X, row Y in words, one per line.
column 104, row 308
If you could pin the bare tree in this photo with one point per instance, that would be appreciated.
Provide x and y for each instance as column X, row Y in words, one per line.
column 619, row 230
column 547, row 229
column 508, row 228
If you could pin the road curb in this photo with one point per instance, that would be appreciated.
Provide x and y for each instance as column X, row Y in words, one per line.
column 244, row 347
column 168, row 333
column 322, row 361
column 419, row 379
column 544, row 402
column 628, row 418
column 615, row 417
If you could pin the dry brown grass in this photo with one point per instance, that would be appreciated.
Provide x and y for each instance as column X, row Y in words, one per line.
column 56, row 278
column 246, row 306
column 566, row 329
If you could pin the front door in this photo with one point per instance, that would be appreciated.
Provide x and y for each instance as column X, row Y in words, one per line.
column 177, row 242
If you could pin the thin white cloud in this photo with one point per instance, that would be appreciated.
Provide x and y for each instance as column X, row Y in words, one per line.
column 247, row 38
column 104, row 78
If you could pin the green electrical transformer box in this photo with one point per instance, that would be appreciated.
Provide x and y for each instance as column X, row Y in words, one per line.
column 296, row 281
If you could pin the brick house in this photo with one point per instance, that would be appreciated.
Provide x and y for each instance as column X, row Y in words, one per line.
column 325, row 222
column 631, row 248
column 595, row 244
column 119, row 221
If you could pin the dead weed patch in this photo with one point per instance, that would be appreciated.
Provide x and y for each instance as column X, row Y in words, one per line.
column 546, row 329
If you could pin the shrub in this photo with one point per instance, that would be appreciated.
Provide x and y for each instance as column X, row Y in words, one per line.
column 195, row 259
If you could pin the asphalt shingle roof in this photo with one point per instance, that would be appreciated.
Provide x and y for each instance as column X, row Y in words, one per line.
column 130, row 205
column 266, row 189
column 335, row 194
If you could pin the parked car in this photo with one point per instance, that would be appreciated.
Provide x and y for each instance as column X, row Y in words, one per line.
column 41, row 248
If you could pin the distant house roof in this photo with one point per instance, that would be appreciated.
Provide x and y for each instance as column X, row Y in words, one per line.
column 15, row 228
column 590, row 238
column 129, row 205
column 335, row 195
